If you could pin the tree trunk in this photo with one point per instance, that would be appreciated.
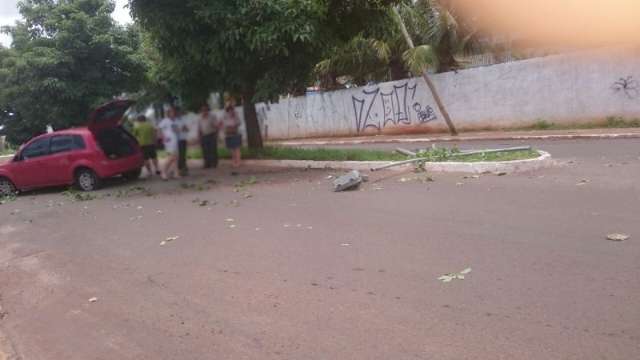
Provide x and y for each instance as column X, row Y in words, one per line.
column 397, row 70
column 427, row 79
column 254, row 138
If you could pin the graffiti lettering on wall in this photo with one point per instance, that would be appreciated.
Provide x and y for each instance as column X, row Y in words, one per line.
column 376, row 108
column 628, row 85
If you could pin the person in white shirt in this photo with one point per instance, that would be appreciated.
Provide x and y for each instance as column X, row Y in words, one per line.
column 183, row 134
column 169, row 129
column 208, row 127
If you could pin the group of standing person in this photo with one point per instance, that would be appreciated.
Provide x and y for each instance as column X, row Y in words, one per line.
column 173, row 130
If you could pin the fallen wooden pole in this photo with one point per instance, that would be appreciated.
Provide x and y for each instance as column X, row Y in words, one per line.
column 490, row 151
column 398, row 164
column 406, row 152
column 405, row 162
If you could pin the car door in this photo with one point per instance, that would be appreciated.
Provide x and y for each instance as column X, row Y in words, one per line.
column 64, row 151
column 30, row 169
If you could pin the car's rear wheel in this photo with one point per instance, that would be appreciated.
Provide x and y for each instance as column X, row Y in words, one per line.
column 87, row 180
column 133, row 174
column 7, row 188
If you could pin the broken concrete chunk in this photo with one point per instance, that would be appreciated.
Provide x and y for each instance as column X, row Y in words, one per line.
column 350, row 181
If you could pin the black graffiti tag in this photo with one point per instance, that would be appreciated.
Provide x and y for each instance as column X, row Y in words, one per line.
column 424, row 115
column 362, row 109
column 394, row 105
column 629, row 86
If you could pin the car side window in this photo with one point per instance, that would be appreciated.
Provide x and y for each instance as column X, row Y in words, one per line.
column 36, row 149
column 78, row 141
column 65, row 143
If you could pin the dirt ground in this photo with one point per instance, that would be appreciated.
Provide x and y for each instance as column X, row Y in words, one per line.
column 273, row 265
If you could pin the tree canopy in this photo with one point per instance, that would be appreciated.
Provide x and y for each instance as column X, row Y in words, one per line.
column 67, row 57
column 254, row 49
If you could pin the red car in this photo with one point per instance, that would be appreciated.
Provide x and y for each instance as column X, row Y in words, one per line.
column 80, row 156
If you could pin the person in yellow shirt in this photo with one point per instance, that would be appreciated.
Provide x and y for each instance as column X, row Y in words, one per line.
column 146, row 135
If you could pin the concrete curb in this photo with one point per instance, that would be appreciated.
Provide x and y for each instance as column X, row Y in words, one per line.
column 457, row 139
column 515, row 166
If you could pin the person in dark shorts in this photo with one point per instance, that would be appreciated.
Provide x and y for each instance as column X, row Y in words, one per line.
column 146, row 135
column 233, row 138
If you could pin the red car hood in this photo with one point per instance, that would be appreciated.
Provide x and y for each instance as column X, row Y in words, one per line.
column 108, row 115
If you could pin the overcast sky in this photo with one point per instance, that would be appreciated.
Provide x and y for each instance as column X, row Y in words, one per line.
column 9, row 14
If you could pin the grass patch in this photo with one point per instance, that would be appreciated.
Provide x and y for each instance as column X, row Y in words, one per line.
column 432, row 155
column 78, row 196
column 287, row 153
column 612, row 122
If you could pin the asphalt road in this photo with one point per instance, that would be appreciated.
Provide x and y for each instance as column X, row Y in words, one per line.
column 286, row 269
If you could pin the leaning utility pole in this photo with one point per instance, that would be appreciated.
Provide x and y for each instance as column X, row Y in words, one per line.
column 426, row 77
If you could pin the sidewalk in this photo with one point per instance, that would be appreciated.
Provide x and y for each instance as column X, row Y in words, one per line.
column 628, row 133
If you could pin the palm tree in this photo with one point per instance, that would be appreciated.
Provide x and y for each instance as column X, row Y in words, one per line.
column 383, row 54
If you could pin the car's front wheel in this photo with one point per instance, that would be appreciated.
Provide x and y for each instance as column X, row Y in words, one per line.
column 6, row 187
column 87, row 180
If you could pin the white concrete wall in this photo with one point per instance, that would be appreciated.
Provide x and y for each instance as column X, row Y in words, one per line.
column 571, row 88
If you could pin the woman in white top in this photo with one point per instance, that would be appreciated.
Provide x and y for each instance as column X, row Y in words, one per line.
column 169, row 132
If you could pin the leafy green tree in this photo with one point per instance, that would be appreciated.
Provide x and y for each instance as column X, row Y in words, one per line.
column 67, row 57
column 381, row 52
column 253, row 49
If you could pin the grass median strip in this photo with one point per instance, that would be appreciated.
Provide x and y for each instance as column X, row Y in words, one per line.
column 323, row 154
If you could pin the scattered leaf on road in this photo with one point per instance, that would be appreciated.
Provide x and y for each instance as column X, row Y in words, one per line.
column 618, row 237
column 169, row 239
column 454, row 276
